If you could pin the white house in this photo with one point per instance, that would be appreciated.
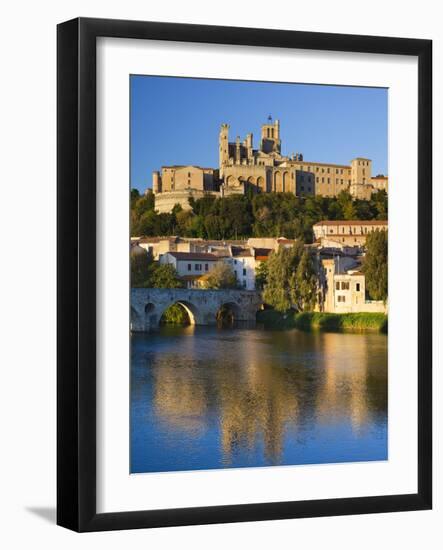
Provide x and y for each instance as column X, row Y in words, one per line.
column 190, row 266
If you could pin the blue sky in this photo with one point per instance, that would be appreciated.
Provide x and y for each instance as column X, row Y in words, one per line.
column 177, row 121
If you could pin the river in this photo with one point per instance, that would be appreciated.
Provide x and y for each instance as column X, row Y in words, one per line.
column 206, row 397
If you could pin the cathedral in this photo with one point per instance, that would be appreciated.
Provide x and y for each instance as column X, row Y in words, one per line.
column 262, row 170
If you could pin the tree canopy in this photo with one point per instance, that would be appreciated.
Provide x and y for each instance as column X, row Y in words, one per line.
column 145, row 273
column 141, row 265
column 291, row 281
column 220, row 276
column 165, row 276
column 375, row 265
column 243, row 216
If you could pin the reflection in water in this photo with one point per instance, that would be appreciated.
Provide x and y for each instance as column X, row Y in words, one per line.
column 211, row 398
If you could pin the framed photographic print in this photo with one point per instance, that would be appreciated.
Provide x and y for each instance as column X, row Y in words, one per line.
column 240, row 212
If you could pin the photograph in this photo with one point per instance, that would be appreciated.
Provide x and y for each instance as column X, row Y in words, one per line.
column 258, row 255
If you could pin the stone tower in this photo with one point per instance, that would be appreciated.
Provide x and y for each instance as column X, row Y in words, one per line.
column 223, row 147
column 270, row 137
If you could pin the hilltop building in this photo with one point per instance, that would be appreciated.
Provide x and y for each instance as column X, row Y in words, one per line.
column 262, row 170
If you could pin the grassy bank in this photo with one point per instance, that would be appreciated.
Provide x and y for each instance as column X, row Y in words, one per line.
column 324, row 321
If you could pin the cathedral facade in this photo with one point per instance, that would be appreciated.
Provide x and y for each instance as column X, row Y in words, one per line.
column 262, row 170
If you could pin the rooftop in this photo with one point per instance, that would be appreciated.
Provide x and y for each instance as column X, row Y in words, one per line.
column 262, row 251
column 241, row 252
column 193, row 256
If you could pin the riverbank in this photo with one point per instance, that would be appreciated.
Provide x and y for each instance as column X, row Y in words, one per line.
column 331, row 322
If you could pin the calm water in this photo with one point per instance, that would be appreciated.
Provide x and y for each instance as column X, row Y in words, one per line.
column 206, row 398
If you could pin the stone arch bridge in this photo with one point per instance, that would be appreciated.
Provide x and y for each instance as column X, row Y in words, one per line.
column 148, row 305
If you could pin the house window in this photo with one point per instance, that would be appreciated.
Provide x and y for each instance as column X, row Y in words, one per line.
column 323, row 180
column 329, row 180
column 198, row 267
column 244, row 272
column 341, row 298
column 337, row 286
column 344, row 286
column 206, row 267
column 189, row 267
column 341, row 181
column 357, row 287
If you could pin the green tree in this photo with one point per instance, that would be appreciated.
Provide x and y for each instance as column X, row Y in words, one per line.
column 175, row 315
column 146, row 224
column 203, row 206
column 304, row 284
column 143, row 203
column 261, row 275
column 291, row 281
column 282, row 265
column 165, row 276
column 258, row 215
column 220, row 276
column 375, row 265
column 135, row 195
column 184, row 220
column 141, row 263
column 214, row 227
column 379, row 205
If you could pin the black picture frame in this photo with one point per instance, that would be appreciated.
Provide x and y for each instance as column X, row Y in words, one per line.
column 76, row 265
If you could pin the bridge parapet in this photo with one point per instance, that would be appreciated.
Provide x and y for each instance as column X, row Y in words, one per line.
column 149, row 304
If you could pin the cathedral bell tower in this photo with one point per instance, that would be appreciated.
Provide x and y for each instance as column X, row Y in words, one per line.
column 270, row 137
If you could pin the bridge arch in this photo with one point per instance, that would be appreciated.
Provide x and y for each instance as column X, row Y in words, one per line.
column 193, row 312
column 228, row 313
